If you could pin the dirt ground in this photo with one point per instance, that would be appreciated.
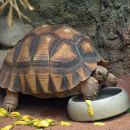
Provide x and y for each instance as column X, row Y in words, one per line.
column 57, row 109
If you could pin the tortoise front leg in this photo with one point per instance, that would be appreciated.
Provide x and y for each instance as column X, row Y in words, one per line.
column 10, row 101
column 90, row 88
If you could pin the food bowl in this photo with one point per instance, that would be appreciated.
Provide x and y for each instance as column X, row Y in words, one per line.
column 110, row 102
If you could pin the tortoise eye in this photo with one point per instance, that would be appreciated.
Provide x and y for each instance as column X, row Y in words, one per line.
column 99, row 73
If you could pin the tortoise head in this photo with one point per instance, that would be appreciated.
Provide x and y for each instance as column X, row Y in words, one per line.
column 101, row 73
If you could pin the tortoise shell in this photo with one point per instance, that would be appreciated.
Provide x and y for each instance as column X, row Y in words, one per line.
column 49, row 60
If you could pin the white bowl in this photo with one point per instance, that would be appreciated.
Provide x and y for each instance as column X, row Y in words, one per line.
column 110, row 102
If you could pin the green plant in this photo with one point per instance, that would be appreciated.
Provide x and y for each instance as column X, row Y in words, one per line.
column 15, row 5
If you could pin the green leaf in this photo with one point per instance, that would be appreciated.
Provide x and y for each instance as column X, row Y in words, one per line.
column 65, row 123
column 99, row 123
column 8, row 127
column 3, row 112
column 128, row 111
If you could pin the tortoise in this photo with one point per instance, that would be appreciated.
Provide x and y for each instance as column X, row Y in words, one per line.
column 53, row 62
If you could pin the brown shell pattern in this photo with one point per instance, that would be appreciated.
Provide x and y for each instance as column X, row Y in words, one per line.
column 49, row 60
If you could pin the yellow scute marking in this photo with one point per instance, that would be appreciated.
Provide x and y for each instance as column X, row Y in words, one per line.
column 57, row 80
column 70, row 80
column 67, row 30
column 31, row 79
column 22, row 79
column 12, row 80
column 64, row 53
column 42, row 29
column 86, row 47
column 91, row 66
column 43, row 48
column 44, row 81
column 10, row 56
column 24, row 52
column 80, row 71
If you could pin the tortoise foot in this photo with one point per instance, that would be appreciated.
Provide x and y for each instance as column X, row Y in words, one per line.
column 10, row 102
column 92, row 96
column 9, row 107
column 90, row 89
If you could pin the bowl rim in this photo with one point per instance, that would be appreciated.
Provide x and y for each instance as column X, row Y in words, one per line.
column 117, row 88
column 76, row 113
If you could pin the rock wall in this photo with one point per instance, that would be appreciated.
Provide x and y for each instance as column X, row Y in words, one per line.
column 113, row 34
column 107, row 22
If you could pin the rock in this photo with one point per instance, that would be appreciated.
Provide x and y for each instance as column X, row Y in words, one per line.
column 9, row 36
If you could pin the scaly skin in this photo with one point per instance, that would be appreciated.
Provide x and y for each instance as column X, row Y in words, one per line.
column 10, row 101
column 90, row 88
column 102, row 75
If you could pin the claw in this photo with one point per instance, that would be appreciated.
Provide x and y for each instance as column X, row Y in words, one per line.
column 10, row 101
column 9, row 107
column 92, row 97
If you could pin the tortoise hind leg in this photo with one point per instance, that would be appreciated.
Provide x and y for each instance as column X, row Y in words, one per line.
column 90, row 88
column 10, row 101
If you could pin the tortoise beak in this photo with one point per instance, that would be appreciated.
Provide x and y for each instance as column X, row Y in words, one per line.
column 112, row 79
column 105, row 77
